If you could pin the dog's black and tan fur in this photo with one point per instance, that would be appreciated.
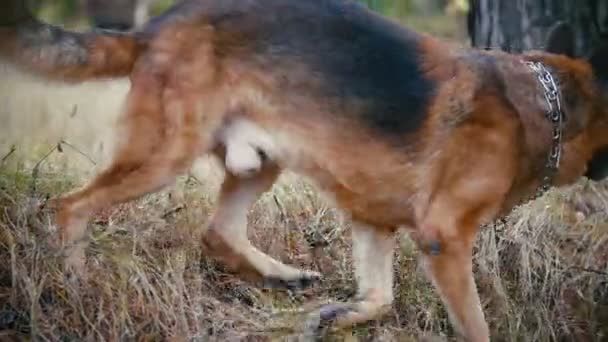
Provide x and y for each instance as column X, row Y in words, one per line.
column 401, row 129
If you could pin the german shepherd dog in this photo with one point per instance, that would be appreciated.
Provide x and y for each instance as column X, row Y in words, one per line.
column 402, row 130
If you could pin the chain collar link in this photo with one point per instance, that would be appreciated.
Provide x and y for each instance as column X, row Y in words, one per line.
column 555, row 115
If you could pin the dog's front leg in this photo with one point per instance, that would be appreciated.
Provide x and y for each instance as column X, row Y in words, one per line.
column 451, row 272
column 373, row 250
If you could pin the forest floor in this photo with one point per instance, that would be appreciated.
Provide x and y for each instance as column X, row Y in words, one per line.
column 542, row 277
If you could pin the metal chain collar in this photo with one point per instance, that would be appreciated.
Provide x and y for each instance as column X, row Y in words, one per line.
column 555, row 115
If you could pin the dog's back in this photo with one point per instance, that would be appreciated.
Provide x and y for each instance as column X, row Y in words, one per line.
column 352, row 56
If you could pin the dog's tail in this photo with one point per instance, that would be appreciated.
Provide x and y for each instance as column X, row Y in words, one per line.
column 53, row 52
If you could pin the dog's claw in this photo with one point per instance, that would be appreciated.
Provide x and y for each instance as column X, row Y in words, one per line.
column 330, row 313
column 319, row 321
column 305, row 281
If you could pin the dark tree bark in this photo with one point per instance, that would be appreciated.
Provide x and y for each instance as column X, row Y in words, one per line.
column 13, row 12
column 120, row 15
column 518, row 25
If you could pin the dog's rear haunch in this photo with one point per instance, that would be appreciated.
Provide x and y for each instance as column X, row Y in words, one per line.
column 403, row 130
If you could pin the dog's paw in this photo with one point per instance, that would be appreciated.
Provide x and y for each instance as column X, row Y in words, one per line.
column 74, row 265
column 319, row 322
column 304, row 281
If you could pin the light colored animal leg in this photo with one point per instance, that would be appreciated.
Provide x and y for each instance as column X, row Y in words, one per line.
column 452, row 274
column 111, row 187
column 465, row 192
column 148, row 160
column 446, row 237
column 373, row 250
column 226, row 238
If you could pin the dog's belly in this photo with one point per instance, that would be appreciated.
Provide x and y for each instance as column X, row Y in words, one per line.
column 381, row 210
column 373, row 186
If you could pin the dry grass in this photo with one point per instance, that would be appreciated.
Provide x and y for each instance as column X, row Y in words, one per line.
column 542, row 277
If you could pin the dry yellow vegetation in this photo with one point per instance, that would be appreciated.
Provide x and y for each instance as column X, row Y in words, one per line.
column 542, row 277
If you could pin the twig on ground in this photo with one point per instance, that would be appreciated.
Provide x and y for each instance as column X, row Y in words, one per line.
column 193, row 178
column 36, row 169
column 173, row 211
column 63, row 142
column 74, row 111
column 10, row 153
column 590, row 270
column 284, row 218
column 280, row 207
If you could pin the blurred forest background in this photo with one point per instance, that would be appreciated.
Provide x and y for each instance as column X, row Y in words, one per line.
column 508, row 25
column 427, row 15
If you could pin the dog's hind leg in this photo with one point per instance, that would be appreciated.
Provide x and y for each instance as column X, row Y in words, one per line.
column 226, row 237
column 373, row 250
column 155, row 151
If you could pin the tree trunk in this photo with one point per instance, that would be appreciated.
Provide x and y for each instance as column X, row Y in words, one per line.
column 518, row 25
column 13, row 12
